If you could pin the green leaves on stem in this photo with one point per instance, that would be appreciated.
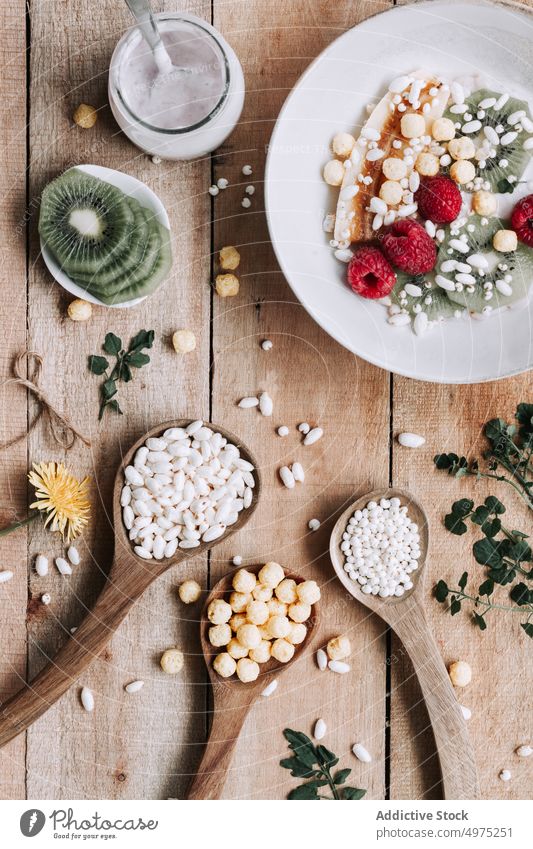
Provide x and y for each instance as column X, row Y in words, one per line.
column 315, row 763
column 122, row 370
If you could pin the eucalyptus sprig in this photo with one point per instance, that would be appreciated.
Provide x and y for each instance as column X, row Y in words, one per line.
column 124, row 362
column 315, row 763
column 504, row 553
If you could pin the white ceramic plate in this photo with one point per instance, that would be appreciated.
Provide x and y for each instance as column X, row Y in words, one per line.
column 130, row 186
column 448, row 38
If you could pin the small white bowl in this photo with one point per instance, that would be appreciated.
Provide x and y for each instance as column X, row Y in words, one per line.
column 130, row 186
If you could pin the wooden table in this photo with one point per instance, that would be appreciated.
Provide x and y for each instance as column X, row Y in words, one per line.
column 147, row 745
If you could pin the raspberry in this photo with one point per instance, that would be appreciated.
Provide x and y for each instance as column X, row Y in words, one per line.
column 522, row 220
column 438, row 199
column 370, row 275
column 407, row 246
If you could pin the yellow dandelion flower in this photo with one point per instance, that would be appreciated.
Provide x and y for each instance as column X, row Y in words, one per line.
column 62, row 497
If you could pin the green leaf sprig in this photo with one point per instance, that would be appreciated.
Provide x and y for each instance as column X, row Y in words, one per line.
column 315, row 763
column 124, row 362
column 509, row 457
column 504, row 554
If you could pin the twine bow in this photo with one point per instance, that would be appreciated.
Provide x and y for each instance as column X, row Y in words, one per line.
column 63, row 430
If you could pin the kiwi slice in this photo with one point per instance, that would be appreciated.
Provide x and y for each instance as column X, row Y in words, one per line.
column 439, row 307
column 85, row 222
column 158, row 271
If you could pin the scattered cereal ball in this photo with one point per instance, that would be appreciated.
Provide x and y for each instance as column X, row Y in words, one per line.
column 461, row 148
column 342, row 145
column 183, row 341
column 278, row 626
column 85, row 116
column 249, row 636
column 276, row 607
column 427, row 164
column 299, row 611
column 394, row 168
column 334, row 172
column 484, row 203
column 286, row 591
column 257, row 612
column 244, row 581
column 460, row 673
column 262, row 653
column 308, row 592
column 220, row 635
column 239, row 601
column 391, row 192
column 271, row 574
column 297, row 634
column 236, row 649
column 412, row 125
column 443, row 129
column 237, row 620
column 189, row 592
column 339, row 648
column 505, row 241
column 172, row 661
column 227, row 285
column 463, row 171
column 229, row 258
column 262, row 593
column 219, row 611
column 247, row 670
column 264, row 631
column 224, row 664
column 79, row 310
column 282, row 650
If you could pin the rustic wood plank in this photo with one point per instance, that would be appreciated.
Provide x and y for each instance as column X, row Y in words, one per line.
column 132, row 746
column 13, row 405
column 310, row 379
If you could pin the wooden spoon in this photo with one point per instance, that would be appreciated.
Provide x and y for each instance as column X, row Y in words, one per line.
column 129, row 577
column 406, row 616
column 232, row 699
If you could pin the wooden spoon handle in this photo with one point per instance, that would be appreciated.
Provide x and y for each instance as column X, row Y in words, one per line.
column 112, row 606
column 456, row 756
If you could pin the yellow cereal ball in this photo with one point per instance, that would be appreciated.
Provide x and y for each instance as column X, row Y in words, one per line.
column 463, row 171
column 79, row 310
column 227, row 285
column 244, row 581
column 308, row 592
column 219, row 611
column 271, row 574
column 394, row 168
column 460, row 673
column 338, row 648
column 282, row 650
column 461, row 148
column 239, row 601
column 342, row 145
column 427, row 164
column 257, row 612
column 247, row 670
column 443, row 129
column 224, row 664
column 236, row 649
column 505, row 241
column 297, row 634
column 264, row 631
column 276, row 607
column 262, row 653
column 229, row 258
column 237, row 620
column 278, row 626
column 391, row 192
column 248, row 635
column 412, row 125
column 299, row 611
column 286, row 591
column 172, row 661
column 334, row 172
column 189, row 592
column 262, row 593
column 183, row 341
column 85, row 116
column 484, row 203
column 220, row 635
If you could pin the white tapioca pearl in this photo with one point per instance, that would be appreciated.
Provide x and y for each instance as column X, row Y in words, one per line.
column 465, row 279
column 375, row 154
column 378, row 205
column 370, row 133
column 459, row 245
column 491, row 135
column 399, row 84
column 399, row 320
column 287, row 477
column 420, row 324
column 313, row 436
column 377, row 222
column 445, row 283
column 133, row 476
column 458, row 108
column 349, row 192
column 155, row 444
column 140, row 457
column 487, row 103
column 515, row 117
column 471, row 127
column 457, row 92
column 504, row 288
column 508, row 138
column 528, row 144
column 413, row 290
column 448, row 265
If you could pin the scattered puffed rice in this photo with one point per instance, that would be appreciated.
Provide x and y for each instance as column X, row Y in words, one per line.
column 361, row 753
column 248, row 402
column 322, row 659
column 41, row 565
column 63, row 566
column 298, row 472
column 339, row 666
column 222, row 183
column 73, row 555
column 247, row 170
column 87, row 699
column 505, row 775
column 237, row 560
column 313, row 524
column 269, row 689
column 320, row 729
column 246, row 203
column 156, row 160
column 266, row 405
column 283, row 430
column 411, row 440
column 467, row 713
column 213, row 191
column 313, row 436
column 266, row 345
column 250, row 190
column 287, row 477
column 134, row 686
column 46, row 598
column 304, row 428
